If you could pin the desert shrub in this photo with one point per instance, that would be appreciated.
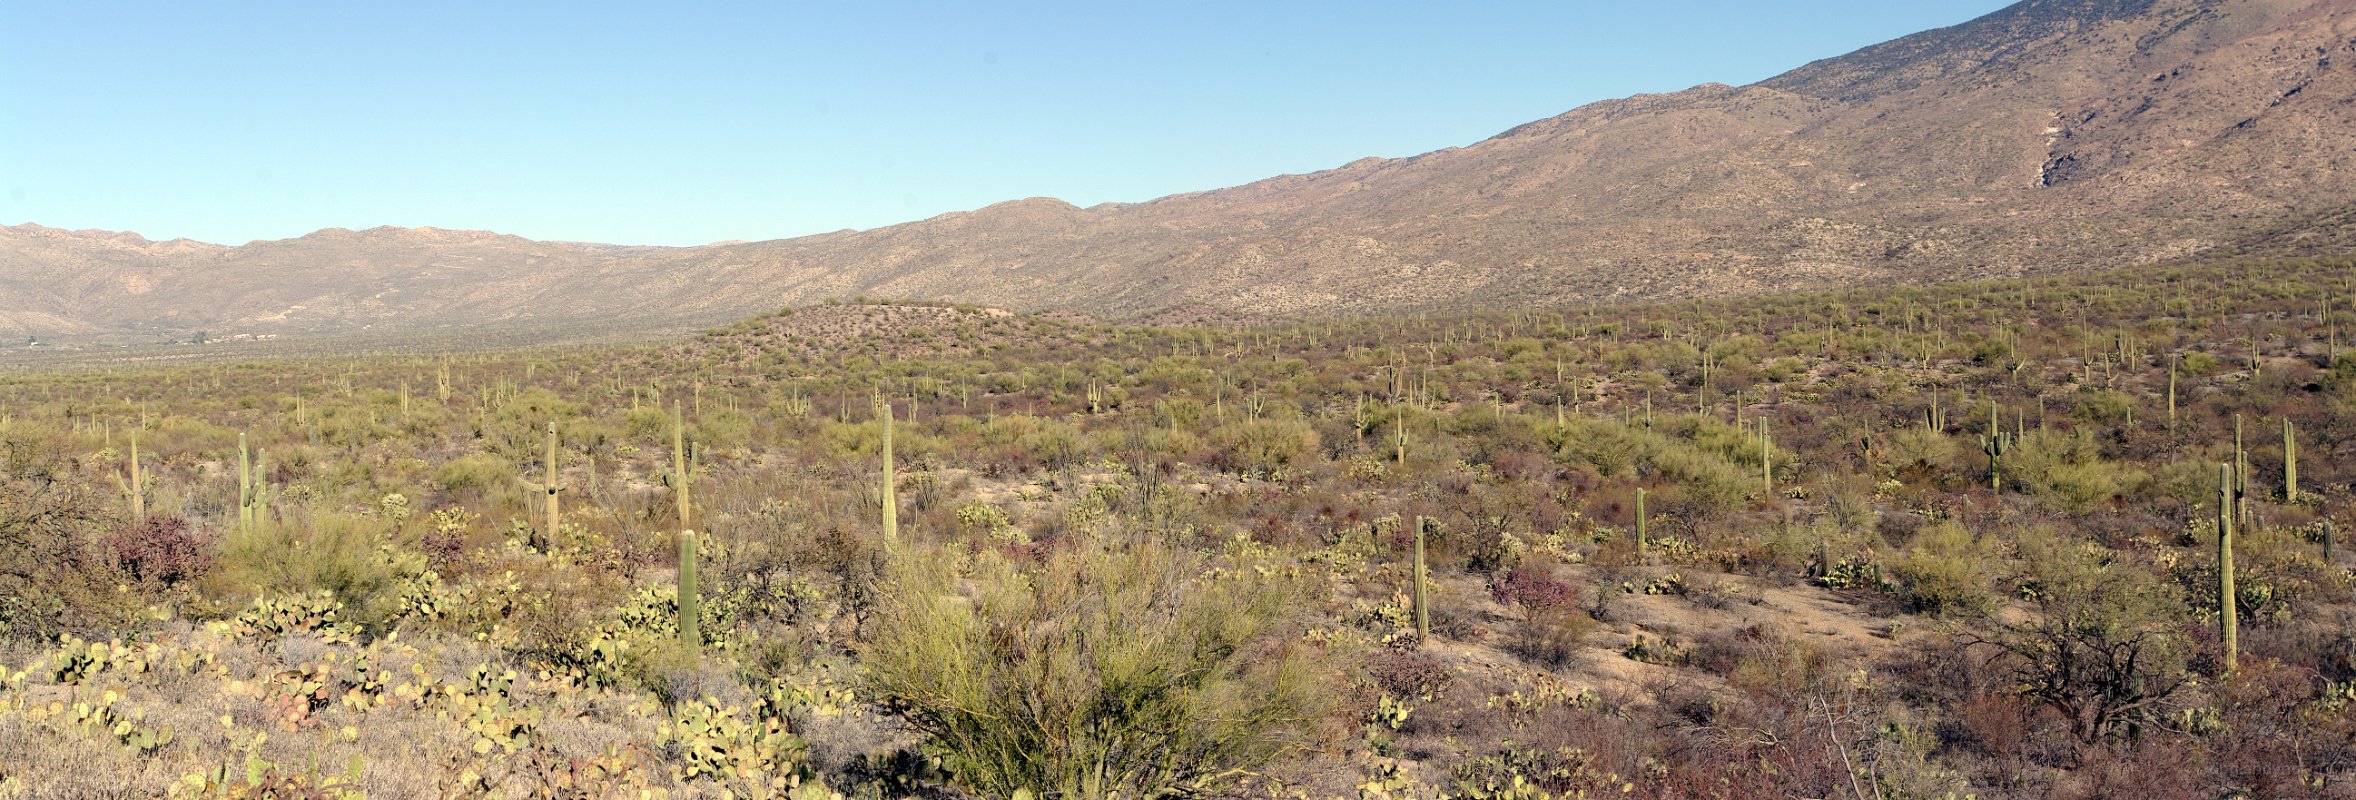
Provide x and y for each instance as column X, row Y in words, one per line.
column 1552, row 636
column 1533, row 587
column 47, row 578
column 2067, row 470
column 1766, row 660
column 1694, row 452
column 1409, row 674
column 648, row 423
column 1101, row 672
column 1262, row 446
column 164, row 550
column 474, row 473
column 1917, row 448
column 342, row 554
column 2106, row 648
column 2107, row 406
column 1945, row 573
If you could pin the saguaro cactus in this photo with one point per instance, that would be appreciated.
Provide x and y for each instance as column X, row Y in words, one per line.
column 2171, row 395
column 2241, row 475
column 552, row 489
column 133, row 487
column 1423, row 601
column 891, row 501
column 2228, row 612
column 690, row 610
column 1642, row 541
column 2290, row 462
column 249, row 487
column 1995, row 446
column 679, row 477
column 1399, row 431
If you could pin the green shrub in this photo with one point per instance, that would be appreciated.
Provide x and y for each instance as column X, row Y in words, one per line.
column 341, row 554
column 1101, row 672
column 474, row 473
column 2067, row 470
column 1945, row 573
column 1263, row 446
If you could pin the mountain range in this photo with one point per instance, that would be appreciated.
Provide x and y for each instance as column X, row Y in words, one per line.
column 2049, row 136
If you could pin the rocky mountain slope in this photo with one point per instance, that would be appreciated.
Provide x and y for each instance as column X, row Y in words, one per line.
column 2053, row 135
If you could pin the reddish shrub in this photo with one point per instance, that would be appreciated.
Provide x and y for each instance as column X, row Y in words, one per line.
column 1411, row 675
column 1534, row 589
column 166, row 550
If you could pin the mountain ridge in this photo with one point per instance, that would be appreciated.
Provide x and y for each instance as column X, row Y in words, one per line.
column 2049, row 136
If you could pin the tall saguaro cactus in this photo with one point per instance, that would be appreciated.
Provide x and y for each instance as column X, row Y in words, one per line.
column 2241, row 475
column 2228, row 601
column 133, row 485
column 246, row 488
column 551, row 488
column 690, row 609
column 1996, row 444
column 1642, row 541
column 679, row 477
column 2290, row 462
column 1399, row 431
column 2171, row 395
column 891, row 500
column 1423, row 600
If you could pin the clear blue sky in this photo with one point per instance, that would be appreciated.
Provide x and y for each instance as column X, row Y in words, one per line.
column 663, row 123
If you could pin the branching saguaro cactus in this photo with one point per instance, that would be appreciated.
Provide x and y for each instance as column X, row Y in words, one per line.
column 1996, row 444
column 253, row 485
column 1423, row 576
column 2228, row 601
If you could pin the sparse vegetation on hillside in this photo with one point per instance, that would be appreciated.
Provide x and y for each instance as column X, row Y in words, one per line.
column 1903, row 542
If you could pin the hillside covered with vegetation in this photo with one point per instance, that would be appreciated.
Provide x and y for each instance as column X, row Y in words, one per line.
column 1961, row 540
